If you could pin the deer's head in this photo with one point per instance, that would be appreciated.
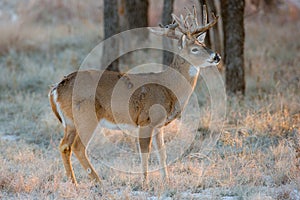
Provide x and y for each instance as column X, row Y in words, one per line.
column 190, row 36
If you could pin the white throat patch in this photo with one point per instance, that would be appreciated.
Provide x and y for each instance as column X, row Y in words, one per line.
column 193, row 71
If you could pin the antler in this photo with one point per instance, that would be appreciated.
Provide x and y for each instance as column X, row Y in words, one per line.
column 168, row 31
column 203, row 29
column 188, row 27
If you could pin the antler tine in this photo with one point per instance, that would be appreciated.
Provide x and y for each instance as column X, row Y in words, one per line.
column 180, row 23
column 186, row 28
column 195, row 15
column 176, row 19
column 189, row 13
column 186, row 22
column 191, row 16
column 207, row 26
column 181, row 17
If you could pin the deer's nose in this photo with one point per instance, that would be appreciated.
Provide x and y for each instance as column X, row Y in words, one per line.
column 216, row 58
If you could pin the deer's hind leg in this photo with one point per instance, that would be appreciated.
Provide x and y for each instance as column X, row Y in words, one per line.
column 66, row 151
column 79, row 150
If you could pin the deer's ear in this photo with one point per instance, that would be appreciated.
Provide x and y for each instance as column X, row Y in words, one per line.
column 201, row 37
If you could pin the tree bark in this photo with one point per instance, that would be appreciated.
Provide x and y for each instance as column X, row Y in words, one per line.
column 137, row 14
column 167, row 19
column 215, row 38
column 234, row 36
column 111, row 27
column 207, row 38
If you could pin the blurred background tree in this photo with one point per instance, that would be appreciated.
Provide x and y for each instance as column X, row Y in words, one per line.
column 265, row 5
column 234, row 38
column 136, row 13
column 167, row 19
column 213, row 40
column 132, row 14
column 111, row 27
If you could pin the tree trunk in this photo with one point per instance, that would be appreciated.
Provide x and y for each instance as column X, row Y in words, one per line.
column 207, row 38
column 215, row 38
column 137, row 14
column 122, row 15
column 167, row 19
column 111, row 27
column 234, row 36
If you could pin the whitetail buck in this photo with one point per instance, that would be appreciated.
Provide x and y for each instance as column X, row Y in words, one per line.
column 147, row 118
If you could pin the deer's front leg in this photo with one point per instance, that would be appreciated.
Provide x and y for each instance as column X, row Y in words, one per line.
column 145, row 137
column 158, row 142
column 80, row 151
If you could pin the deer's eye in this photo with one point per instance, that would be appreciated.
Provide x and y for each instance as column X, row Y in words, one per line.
column 194, row 50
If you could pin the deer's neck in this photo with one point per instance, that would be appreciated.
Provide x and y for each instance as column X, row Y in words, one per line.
column 189, row 72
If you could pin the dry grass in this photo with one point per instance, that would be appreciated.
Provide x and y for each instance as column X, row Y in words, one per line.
column 256, row 157
column 47, row 25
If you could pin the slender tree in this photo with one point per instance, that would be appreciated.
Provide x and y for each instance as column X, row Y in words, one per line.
column 234, row 36
column 215, row 38
column 167, row 19
column 111, row 27
column 137, row 14
column 207, row 38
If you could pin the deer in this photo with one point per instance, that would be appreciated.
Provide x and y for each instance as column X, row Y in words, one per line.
column 150, row 108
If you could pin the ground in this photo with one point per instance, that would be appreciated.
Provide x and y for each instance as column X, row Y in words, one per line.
column 257, row 155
